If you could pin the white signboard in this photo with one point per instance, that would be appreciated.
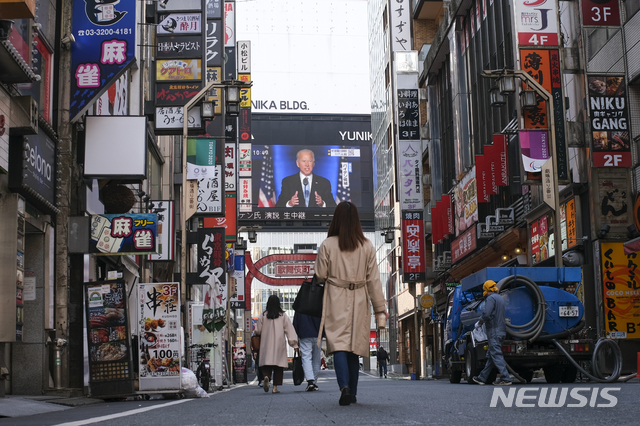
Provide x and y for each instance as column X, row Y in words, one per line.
column 322, row 60
column 180, row 23
column 171, row 117
column 159, row 322
column 537, row 22
column 244, row 57
column 210, row 192
column 230, row 23
column 400, row 11
column 166, row 231
column 244, row 195
column 410, row 174
column 29, row 291
column 244, row 159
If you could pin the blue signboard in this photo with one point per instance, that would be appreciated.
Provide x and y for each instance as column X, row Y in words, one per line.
column 104, row 46
column 115, row 234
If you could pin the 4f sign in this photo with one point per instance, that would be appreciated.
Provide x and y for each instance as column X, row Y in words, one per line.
column 537, row 22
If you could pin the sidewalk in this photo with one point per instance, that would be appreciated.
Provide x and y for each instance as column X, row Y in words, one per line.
column 17, row 406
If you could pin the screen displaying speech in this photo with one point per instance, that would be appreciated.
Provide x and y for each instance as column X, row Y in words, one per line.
column 303, row 166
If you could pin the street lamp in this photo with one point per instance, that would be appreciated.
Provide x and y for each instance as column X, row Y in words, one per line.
column 546, row 96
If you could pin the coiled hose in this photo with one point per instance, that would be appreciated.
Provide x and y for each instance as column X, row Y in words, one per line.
column 537, row 324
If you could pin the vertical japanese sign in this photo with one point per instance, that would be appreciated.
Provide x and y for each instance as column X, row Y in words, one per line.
column 230, row 167
column 244, row 57
column 110, row 368
column 410, row 174
column 408, row 114
column 466, row 202
column 400, row 11
column 537, row 64
column 244, row 160
column 483, row 178
column 210, row 192
column 447, row 204
column 115, row 234
column 621, row 291
column 238, row 300
column 104, row 47
column 537, row 22
column 413, row 250
column 609, row 119
column 244, row 125
column 569, row 231
column 211, row 256
column 464, row 244
column 166, row 230
column 499, row 156
column 160, row 345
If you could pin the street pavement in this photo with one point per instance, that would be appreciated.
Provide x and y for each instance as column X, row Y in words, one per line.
column 393, row 401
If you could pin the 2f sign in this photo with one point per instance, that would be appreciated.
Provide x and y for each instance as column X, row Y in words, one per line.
column 611, row 160
column 608, row 159
column 600, row 12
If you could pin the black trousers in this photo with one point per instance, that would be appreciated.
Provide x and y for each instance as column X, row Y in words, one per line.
column 278, row 373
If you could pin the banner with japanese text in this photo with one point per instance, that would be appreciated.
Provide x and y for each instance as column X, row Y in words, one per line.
column 116, row 234
column 103, row 49
column 160, row 346
column 410, row 174
column 413, row 249
column 621, row 290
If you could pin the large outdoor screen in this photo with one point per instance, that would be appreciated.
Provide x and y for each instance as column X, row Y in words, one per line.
column 302, row 166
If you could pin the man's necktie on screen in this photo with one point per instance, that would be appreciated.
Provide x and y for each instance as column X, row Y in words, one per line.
column 305, row 181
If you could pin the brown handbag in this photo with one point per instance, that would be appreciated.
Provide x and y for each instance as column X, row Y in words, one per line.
column 255, row 343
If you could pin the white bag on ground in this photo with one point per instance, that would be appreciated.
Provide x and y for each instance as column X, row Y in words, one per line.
column 189, row 382
column 479, row 335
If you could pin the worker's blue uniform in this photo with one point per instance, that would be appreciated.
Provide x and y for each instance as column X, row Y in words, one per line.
column 493, row 319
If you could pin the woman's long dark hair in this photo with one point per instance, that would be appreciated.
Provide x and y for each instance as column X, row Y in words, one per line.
column 346, row 226
column 273, row 307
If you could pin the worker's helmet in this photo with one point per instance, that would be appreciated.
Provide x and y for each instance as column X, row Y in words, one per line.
column 488, row 286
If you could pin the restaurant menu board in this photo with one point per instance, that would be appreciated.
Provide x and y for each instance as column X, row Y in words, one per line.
column 110, row 368
column 159, row 358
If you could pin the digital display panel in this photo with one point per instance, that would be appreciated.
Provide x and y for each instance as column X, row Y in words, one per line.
column 302, row 166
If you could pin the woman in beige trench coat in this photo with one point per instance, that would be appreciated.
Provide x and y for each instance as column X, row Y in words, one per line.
column 273, row 325
column 347, row 264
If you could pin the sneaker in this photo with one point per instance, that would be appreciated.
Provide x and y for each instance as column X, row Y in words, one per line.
column 502, row 382
column 265, row 384
column 259, row 384
column 311, row 387
column 480, row 382
column 345, row 397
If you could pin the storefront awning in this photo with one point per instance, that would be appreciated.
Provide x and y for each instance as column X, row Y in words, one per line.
column 490, row 254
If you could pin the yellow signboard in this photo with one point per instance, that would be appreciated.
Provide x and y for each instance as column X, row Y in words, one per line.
column 178, row 69
column 426, row 301
column 621, row 289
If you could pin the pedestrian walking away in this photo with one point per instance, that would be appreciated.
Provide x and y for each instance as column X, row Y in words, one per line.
column 493, row 318
column 275, row 329
column 347, row 264
column 383, row 357
column 307, row 328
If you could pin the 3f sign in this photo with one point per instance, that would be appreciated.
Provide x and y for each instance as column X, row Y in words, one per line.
column 600, row 14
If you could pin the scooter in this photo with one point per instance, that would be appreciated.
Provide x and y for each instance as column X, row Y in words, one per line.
column 203, row 372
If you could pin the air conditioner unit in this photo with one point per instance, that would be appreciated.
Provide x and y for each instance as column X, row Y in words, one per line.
column 27, row 123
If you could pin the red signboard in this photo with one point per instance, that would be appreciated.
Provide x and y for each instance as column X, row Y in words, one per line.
column 500, row 153
column 600, row 12
column 413, row 250
column 447, row 201
column 482, row 176
column 464, row 244
column 538, row 65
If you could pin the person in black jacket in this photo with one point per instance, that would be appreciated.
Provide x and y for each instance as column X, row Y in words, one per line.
column 383, row 357
column 304, row 189
column 307, row 328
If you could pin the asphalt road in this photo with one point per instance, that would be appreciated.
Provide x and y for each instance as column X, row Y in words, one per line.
column 380, row 402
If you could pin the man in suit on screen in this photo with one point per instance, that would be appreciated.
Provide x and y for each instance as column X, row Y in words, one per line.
column 304, row 189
